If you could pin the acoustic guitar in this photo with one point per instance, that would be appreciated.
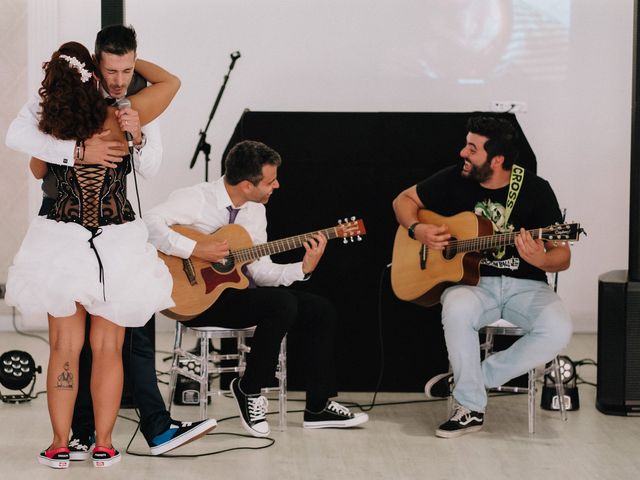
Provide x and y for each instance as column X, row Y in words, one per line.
column 420, row 275
column 198, row 283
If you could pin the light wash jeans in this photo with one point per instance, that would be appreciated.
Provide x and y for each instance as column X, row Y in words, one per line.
column 529, row 304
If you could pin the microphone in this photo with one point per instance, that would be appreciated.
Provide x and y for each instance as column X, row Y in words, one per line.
column 120, row 104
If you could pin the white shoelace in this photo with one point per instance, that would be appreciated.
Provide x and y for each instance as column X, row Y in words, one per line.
column 460, row 412
column 75, row 443
column 340, row 409
column 258, row 408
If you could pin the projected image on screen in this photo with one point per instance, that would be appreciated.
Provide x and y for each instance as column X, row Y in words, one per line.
column 477, row 41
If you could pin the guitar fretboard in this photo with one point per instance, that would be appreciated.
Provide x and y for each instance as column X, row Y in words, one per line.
column 279, row 246
column 490, row 242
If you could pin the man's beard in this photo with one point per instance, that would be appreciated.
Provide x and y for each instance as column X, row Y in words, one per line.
column 479, row 174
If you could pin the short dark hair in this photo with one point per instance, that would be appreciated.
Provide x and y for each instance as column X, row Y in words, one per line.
column 245, row 160
column 502, row 138
column 115, row 39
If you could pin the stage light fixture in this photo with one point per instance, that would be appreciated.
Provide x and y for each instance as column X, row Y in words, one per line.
column 18, row 370
column 568, row 376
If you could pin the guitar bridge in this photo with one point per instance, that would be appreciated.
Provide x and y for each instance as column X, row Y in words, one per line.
column 187, row 267
column 423, row 257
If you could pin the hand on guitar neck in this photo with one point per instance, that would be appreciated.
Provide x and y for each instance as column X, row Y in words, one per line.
column 211, row 250
column 314, row 247
column 548, row 257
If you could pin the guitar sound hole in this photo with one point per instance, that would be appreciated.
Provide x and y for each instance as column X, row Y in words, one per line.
column 450, row 251
column 225, row 265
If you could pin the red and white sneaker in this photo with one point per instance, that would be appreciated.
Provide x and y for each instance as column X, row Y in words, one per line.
column 104, row 457
column 55, row 458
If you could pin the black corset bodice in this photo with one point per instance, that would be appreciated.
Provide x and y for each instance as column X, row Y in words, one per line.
column 92, row 195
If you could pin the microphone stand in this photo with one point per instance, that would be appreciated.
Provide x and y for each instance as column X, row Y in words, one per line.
column 202, row 145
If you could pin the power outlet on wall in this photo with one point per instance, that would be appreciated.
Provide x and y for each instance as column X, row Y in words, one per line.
column 504, row 106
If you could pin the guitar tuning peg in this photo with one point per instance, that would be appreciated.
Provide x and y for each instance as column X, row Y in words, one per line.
column 353, row 218
column 359, row 238
column 346, row 220
column 351, row 238
column 339, row 222
column 344, row 240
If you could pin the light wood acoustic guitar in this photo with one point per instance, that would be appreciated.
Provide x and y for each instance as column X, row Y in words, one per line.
column 420, row 275
column 197, row 283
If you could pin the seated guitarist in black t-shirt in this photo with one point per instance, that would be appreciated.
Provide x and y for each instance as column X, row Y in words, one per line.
column 512, row 283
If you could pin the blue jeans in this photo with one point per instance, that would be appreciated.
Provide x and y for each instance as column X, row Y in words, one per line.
column 529, row 304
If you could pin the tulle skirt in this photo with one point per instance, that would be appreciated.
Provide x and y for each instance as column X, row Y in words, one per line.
column 56, row 267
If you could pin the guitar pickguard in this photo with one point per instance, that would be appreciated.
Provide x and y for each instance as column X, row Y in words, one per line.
column 212, row 278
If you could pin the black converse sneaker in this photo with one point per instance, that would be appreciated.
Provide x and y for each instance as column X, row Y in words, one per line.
column 462, row 421
column 253, row 410
column 80, row 446
column 333, row 415
column 440, row 386
column 180, row 433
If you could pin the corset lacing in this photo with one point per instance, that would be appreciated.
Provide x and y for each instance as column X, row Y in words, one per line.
column 91, row 179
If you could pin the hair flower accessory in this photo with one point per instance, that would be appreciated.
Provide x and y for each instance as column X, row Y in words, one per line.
column 85, row 75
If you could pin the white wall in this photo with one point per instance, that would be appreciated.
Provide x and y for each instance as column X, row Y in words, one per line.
column 570, row 61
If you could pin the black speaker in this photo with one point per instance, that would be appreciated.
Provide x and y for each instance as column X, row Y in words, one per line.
column 618, row 391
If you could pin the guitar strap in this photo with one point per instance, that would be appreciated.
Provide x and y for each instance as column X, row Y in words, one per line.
column 515, row 185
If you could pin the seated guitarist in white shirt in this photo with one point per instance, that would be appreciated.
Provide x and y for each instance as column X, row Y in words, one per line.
column 513, row 283
column 251, row 170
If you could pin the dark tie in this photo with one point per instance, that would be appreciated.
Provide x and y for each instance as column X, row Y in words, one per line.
column 233, row 213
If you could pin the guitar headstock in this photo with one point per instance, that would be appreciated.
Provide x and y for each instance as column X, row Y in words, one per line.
column 350, row 228
column 562, row 233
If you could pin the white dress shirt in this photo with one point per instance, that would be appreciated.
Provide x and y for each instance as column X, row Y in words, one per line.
column 204, row 207
column 25, row 136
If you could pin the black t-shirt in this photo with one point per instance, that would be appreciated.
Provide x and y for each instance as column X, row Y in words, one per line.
column 448, row 193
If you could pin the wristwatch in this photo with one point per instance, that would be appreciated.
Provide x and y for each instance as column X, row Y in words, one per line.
column 412, row 230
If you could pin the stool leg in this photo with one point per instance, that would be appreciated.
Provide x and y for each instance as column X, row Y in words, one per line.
column 531, row 394
column 282, row 384
column 173, row 379
column 555, row 365
column 204, row 375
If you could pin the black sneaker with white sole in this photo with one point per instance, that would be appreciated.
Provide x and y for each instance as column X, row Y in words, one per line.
column 333, row 415
column 253, row 410
column 80, row 446
column 462, row 421
column 180, row 433
column 440, row 386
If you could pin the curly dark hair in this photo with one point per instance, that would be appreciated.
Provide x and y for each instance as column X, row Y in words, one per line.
column 71, row 109
column 502, row 137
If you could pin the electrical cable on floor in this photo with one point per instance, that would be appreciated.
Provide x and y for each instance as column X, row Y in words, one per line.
column 20, row 332
column 270, row 441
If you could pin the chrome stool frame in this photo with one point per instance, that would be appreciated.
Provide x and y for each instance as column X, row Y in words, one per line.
column 210, row 364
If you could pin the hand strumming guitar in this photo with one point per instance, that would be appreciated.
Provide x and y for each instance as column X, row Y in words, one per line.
column 211, row 250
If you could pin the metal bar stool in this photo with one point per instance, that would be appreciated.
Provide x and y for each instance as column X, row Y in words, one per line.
column 502, row 327
column 207, row 364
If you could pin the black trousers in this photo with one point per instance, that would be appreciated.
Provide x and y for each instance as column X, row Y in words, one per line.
column 138, row 358
column 275, row 311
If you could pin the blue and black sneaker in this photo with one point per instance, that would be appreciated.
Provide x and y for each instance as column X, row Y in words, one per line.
column 180, row 433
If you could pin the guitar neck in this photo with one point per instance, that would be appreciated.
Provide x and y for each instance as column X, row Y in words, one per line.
column 490, row 242
column 279, row 246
